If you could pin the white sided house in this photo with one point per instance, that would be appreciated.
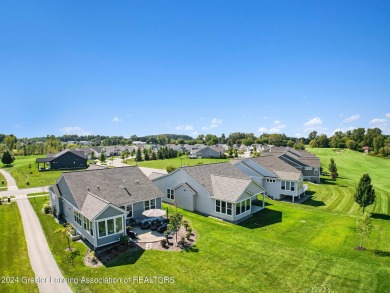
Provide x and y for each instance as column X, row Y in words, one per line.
column 218, row 190
column 97, row 203
column 276, row 176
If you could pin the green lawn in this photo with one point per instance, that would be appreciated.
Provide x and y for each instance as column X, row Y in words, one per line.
column 338, row 195
column 285, row 248
column 175, row 162
column 14, row 261
column 20, row 167
column 3, row 186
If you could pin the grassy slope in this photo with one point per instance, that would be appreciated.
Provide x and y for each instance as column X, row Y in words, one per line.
column 284, row 248
column 20, row 168
column 14, row 261
column 338, row 196
column 3, row 186
column 175, row 162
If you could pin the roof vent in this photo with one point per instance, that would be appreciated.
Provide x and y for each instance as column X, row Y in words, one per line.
column 88, row 188
column 137, row 182
column 98, row 187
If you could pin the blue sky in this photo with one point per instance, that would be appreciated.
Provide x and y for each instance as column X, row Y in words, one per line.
column 190, row 67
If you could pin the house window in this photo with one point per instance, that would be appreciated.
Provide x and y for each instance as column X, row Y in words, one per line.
column 223, row 207
column 300, row 185
column 77, row 217
column 315, row 171
column 170, row 194
column 102, row 229
column 129, row 209
column 288, row 185
column 243, row 206
column 292, row 186
column 150, row 204
column 110, row 227
column 283, row 185
column 308, row 168
column 87, row 225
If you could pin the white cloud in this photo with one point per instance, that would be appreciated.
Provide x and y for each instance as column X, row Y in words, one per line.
column 263, row 130
column 116, row 119
column 265, row 117
column 276, row 128
column 185, row 127
column 214, row 123
column 314, row 122
column 378, row 121
column 388, row 115
column 352, row 118
column 74, row 130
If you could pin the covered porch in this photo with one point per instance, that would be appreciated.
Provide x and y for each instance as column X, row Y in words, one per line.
column 298, row 198
column 45, row 162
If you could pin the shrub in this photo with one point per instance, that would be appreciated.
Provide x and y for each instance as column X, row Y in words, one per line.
column 182, row 241
column 189, row 229
column 188, row 235
column 163, row 242
column 170, row 169
column 123, row 240
column 46, row 208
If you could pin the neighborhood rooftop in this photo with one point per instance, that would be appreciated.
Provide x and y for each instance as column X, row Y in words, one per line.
column 204, row 175
column 115, row 185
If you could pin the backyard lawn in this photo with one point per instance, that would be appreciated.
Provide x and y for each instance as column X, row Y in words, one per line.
column 284, row 248
column 14, row 261
column 20, row 167
column 175, row 162
column 338, row 195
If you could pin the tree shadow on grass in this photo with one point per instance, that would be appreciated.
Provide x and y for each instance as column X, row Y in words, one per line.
column 192, row 248
column 380, row 216
column 328, row 181
column 380, row 253
column 262, row 219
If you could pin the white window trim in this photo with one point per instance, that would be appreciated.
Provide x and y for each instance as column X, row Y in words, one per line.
column 226, row 214
column 155, row 202
column 170, row 194
column 79, row 216
column 106, row 228
column 239, row 202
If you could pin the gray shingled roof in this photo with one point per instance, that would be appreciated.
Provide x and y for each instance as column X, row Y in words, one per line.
column 93, row 205
column 304, row 157
column 118, row 186
column 50, row 158
column 228, row 188
column 277, row 167
column 203, row 173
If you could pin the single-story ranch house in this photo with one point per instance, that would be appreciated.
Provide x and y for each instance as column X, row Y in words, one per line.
column 98, row 202
column 276, row 176
column 218, row 190
column 66, row 159
column 308, row 163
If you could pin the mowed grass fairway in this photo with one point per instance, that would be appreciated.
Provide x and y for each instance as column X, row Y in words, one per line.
column 338, row 195
column 175, row 162
column 284, row 248
column 20, row 167
column 14, row 261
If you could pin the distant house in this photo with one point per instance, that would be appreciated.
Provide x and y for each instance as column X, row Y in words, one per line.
column 276, row 176
column 217, row 190
column 207, row 152
column 67, row 159
column 308, row 163
column 97, row 203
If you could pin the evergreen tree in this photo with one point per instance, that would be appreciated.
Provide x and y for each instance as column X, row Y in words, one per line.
column 146, row 156
column 154, row 156
column 7, row 158
column 138, row 156
column 102, row 157
column 333, row 169
column 365, row 192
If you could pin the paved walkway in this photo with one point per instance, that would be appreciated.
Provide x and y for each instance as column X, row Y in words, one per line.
column 41, row 259
column 24, row 191
column 11, row 183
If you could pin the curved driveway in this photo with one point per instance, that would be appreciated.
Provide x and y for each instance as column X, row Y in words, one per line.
column 41, row 259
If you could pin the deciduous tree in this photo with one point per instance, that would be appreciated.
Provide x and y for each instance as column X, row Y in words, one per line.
column 364, row 228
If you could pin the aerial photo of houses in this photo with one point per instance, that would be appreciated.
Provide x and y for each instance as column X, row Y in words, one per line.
column 195, row 146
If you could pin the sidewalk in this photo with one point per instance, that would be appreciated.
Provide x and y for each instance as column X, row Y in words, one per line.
column 41, row 259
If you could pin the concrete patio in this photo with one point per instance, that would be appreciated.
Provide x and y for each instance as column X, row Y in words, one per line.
column 147, row 236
